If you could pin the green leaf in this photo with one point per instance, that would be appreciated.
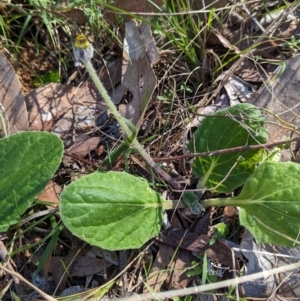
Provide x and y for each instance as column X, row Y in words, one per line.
column 28, row 161
column 270, row 202
column 192, row 201
column 112, row 210
column 220, row 230
column 240, row 125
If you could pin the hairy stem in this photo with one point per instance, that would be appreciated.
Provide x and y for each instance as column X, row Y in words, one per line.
column 89, row 67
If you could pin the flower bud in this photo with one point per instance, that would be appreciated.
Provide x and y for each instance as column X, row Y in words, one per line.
column 83, row 50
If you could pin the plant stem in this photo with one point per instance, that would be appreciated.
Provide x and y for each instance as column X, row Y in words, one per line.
column 223, row 202
column 90, row 69
column 169, row 204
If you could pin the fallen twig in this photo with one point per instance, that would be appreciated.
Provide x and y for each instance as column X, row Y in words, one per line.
column 227, row 151
column 21, row 278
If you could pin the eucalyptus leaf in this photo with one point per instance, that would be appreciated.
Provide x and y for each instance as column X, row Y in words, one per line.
column 240, row 125
column 112, row 210
column 28, row 160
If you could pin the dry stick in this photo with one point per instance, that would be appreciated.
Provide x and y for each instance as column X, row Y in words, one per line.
column 79, row 159
column 3, row 257
column 228, row 150
column 21, row 278
column 208, row 287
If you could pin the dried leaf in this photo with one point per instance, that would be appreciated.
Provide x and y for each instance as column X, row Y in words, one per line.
column 178, row 278
column 47, row 104
column 250, row 71
column 238, row 90
column 74, row 14
column 72, row 290
column 83, row 148
column 51, row 193
column 281, row 97
column 12, row 103
column 82, row 266
column 111, row 74
column 150, row 46
column 159, row 270
column 264, row 257
column 138, row 76
column 158, row 273
column 218, row 252
column 199, row 4
column 109, row 256
column 60, row 275
column 138, row 5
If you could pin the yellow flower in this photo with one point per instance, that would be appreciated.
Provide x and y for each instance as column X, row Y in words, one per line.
column 81, row 42
column 83, row 50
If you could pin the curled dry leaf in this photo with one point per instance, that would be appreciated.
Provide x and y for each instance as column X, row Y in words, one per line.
column 12, row 104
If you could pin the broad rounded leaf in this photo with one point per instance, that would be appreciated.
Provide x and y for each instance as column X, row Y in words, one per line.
column 28, row 161
column 240, row 125
column 112, row 210
column 270, row 202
